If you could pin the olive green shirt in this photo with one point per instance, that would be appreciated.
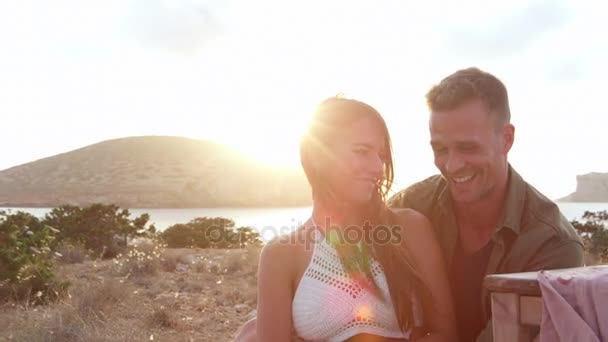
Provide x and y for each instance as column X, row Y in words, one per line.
column 531, row 234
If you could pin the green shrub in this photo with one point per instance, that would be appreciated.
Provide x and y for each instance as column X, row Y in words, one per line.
column 26, row 271
column 103, row 229
column 184, row 236
column 594, row 231
column 205, row 232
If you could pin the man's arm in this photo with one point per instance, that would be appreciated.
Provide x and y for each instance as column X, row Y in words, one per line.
column 557, row 254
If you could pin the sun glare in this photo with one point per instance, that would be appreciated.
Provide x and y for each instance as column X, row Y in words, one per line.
column 277, row 153
column 272, row 138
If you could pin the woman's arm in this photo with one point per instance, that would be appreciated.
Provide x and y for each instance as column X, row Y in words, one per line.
column 275, row 292
column 419, row 238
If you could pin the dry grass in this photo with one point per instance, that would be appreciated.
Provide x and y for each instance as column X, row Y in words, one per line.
column 141, row 260
column 97, row 301
column 58, row 328
column 150, row 257
column 200, row 267
column 71, row 253
column 180, row 300
column 31, row 291
column 81, row 319
column 245, row 260
column 62, row 322
column 164, row 317
column 172, row 259
column 591, row 259
column 234, row 263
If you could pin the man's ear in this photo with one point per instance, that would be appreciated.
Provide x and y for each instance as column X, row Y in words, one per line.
column 508, row 132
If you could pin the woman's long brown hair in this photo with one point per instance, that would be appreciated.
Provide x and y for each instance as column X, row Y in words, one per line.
column 402, row 275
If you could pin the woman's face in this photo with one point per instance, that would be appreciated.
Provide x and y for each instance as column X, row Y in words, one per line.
column 358, row 158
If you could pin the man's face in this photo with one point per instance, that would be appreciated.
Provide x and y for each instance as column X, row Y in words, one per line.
column 470, row 149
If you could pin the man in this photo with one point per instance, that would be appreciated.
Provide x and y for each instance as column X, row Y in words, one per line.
column 487, row 218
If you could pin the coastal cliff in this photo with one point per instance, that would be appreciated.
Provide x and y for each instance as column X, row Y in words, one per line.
column 591, row 187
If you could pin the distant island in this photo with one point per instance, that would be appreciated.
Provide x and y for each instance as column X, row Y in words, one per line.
column 153, row 172
column 591, row 187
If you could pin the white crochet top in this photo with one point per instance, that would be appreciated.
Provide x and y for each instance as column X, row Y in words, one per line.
column 329, row 305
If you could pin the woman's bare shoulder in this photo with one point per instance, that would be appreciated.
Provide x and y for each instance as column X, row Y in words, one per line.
column 411, row 218
column 290, row 243
column 415, row 226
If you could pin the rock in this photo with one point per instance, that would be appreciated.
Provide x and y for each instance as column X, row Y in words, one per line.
column 591, row 187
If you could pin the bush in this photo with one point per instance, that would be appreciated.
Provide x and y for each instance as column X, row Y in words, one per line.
column 26, row 272
column 103, row 229
column 205, row 232
column 143, row 260
column 594, row 231
column 184, row 236
column 71, row 253
column 171, row 259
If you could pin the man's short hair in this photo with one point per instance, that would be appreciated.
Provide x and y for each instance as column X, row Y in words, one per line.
column 471, row 84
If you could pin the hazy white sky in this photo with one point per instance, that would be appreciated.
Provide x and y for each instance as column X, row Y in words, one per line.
column 76, row 72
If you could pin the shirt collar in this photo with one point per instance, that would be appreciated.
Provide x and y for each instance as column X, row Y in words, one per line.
column 514, row 203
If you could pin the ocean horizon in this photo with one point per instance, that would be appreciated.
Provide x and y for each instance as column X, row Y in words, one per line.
column 272, row 221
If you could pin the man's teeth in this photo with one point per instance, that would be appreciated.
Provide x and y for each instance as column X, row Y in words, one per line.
column 462, row 179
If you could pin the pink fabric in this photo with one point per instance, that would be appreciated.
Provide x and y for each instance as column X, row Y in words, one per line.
column 575, row 305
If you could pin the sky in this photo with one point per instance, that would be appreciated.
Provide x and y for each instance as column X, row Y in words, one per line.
column 248, row 73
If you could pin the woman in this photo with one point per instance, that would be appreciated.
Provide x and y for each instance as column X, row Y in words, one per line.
column 337, row 277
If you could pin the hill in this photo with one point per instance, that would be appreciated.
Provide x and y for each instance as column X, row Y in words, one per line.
column 153, row 172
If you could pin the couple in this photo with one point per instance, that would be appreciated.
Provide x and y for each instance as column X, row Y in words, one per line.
column 329, row 281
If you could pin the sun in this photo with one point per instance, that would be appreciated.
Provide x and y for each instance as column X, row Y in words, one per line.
column 279, row 153
column 271, row 138
column 265, row 128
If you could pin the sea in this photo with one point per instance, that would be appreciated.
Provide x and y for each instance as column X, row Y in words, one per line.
column 270, row 222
